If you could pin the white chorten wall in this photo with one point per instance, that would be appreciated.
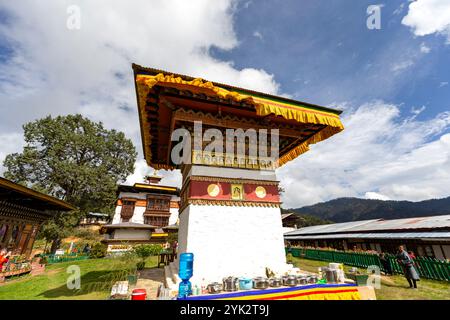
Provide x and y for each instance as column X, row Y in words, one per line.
column 232, row 241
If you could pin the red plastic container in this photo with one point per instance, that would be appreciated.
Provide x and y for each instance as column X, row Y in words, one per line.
column 139, row 294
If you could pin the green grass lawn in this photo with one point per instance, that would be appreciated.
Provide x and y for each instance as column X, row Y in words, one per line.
column 393, row 287
column 97, row 278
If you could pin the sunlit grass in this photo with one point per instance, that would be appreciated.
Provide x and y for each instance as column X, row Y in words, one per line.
column 393, row 287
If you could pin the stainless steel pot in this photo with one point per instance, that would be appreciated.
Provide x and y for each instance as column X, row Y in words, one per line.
column 290, row 281
column 330, row 275
column 311, row 279
column 230, row 284
column 214, row 287
column 302, row 280
column 260, row 283
column 275, row 282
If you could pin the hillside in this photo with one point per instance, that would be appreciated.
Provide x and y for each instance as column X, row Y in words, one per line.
column 354, row 209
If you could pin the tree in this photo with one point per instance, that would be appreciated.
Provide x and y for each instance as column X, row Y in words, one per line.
column 74, row 159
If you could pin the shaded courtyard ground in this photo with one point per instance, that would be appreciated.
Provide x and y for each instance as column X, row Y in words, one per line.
column 392, row 287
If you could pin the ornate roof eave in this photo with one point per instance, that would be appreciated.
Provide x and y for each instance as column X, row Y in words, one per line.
column 264, row 106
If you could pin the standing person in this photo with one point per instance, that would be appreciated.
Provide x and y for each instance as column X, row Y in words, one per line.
column 289, row 252
column 408, row 267
column 4, row 258
column 87, row 249
column 166, row 246
column 386, row 264
column 174, row 246
column 411, row 255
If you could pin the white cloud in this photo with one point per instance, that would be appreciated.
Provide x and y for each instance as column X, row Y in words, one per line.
column 400, row 159
column 10, row 142
column 401, row 66
column 54, row 70
column 170, row 178
column 429, row 16
column 424, row 48
column 258, row 35
column 399, row 9
column 443, row 84
column 417, row 111
column 376, row 196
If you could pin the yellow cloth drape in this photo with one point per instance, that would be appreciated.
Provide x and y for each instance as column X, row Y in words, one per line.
column 263, row 106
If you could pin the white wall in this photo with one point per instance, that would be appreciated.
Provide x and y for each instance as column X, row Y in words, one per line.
column 116, row 218
column 232, row 241
column 138, row 215
column 173, row 216
column 132, row 234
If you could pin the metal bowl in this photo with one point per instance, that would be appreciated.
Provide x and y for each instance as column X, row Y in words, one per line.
column 290, row 281
column 302, row 280
column 312, row 279
column 275, row 282
column 260, row 283
column 214, row 287
column 230, row 284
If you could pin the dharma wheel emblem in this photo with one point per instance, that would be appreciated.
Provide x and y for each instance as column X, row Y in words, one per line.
column 213, row 190
column 260, row 192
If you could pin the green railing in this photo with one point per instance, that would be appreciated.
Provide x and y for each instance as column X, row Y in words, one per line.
column 427, row 268
column 52, row 258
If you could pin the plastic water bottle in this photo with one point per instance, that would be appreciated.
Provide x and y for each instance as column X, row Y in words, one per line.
column 186, row 266
column 185, row 273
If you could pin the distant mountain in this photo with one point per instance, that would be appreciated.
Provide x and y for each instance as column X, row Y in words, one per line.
column 354, row 209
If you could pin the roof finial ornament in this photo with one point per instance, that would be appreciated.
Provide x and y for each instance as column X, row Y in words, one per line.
column 154, row 178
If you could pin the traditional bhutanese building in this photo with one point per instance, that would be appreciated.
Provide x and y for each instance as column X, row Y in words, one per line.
column 22, row 212
column 145, row 213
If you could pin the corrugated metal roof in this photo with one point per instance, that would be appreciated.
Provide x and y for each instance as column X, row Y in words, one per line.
column 432, row 222
column 331, row 228
column 398, row 235
column 408, row 223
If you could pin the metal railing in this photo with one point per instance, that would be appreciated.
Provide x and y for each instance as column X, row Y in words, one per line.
column 53, row 258
column 427, row 268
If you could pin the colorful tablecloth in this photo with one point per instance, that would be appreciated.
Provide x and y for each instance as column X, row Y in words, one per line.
column 307, row 292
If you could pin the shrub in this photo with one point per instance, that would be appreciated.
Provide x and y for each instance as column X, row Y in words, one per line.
column 143, row 251
column 86, row 234
column 43, row 260
column 140, row 265
column 98, row 250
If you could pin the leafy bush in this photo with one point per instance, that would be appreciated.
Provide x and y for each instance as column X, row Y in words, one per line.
column 86, row 234
column 140, row 265
column 144, row 251
column 98, row 250
column 43, row 260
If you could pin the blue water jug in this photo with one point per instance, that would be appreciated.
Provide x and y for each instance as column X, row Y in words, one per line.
column 186, row 268
column 185, row 272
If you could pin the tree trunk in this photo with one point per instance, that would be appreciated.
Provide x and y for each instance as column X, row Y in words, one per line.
column 55, row 245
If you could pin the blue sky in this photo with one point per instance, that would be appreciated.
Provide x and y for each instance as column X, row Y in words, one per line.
column 322, row 51
column 392, row 83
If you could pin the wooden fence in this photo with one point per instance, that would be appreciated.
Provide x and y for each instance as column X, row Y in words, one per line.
column 427, row 268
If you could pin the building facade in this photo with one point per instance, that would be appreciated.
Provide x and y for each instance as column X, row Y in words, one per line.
column 22, row 212
column 145, row 213
column 425, row 236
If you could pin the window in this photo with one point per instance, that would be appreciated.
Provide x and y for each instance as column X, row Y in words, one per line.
column 127, row 210
column 158, row 203
column 157, row 221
